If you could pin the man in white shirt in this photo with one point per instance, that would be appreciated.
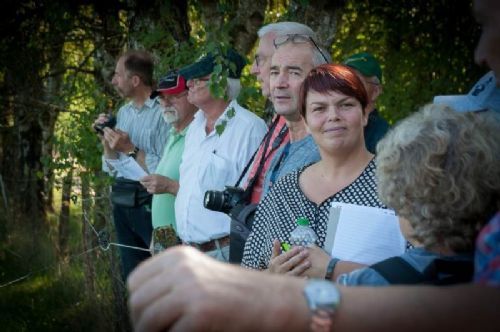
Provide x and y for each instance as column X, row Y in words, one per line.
column 219, row 142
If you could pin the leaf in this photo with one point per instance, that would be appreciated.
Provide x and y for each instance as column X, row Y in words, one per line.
column 219, row 129
column 230, row 113
column 219, row 92
column 217, row 69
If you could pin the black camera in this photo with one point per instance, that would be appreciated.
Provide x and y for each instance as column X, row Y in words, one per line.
column 224, row 201
column 110, row 123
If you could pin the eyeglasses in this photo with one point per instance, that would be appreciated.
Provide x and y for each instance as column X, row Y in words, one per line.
column 257, row 59
column 297, row 39
column 260, row 59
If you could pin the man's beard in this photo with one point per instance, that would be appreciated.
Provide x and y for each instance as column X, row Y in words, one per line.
column 170, row 115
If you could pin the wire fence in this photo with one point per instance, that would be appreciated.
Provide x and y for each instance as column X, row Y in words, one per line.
column 93, row 258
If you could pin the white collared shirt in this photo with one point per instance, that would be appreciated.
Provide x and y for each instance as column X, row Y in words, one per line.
column 211, row 162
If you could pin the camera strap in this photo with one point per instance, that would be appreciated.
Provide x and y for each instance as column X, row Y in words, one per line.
column 276, row 144
column 266, row 140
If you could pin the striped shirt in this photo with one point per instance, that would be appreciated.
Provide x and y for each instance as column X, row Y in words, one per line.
column 147, row 131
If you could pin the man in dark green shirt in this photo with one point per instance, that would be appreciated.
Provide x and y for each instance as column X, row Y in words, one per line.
column 370, row 73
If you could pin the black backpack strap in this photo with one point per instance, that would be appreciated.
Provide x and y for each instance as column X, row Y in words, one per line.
column 398, row 271
column 448, row 272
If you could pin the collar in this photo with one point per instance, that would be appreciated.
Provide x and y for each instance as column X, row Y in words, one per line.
column 149, row 103
column 174, row 133
column 229, row 112
column 223, row 119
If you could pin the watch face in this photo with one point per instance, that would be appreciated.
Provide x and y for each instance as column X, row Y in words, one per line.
column 322, row 294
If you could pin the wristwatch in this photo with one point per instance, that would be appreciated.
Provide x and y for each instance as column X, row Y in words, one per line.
column 133, row 153
column 323, row 298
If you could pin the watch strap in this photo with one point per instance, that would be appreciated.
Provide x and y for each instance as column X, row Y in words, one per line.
column 133, row 153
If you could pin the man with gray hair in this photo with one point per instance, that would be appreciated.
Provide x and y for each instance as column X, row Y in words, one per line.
column 265, row 50
column 277, row 136
column 278, row 131
column 219, row 142
column 295, row 55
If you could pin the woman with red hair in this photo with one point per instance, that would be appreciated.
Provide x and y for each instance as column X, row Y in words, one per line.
column 333, row 101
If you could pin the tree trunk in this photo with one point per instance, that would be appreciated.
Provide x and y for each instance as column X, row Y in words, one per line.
column 247, row 21
column 64, row 215
column 321, row 16
column 88, row 238
column 23, row 171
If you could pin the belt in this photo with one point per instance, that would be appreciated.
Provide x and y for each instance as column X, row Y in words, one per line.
column 211, row 245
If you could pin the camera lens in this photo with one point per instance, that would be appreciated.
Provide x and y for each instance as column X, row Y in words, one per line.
column 98, row 128
column 214, row 200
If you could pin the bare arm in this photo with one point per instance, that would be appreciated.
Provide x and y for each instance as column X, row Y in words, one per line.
column 183, row 289
column 416, row 308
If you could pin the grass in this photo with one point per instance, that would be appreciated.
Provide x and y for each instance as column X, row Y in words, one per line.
column 54, row 296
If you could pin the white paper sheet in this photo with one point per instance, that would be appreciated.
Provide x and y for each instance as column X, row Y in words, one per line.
column 127, row 168
column 363, row 234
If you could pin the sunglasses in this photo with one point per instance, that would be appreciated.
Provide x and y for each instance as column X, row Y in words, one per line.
column 297, row 39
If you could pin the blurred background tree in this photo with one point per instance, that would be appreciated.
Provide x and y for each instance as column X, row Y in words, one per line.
column 55, row 71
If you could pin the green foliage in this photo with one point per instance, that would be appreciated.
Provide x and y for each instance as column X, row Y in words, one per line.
column 425, row 49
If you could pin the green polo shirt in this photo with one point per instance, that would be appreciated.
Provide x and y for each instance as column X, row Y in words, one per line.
column 163, row 211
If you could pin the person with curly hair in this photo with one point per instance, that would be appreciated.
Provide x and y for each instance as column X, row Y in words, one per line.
column 439, row 170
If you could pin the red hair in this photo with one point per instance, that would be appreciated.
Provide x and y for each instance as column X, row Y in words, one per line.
column 333, row 77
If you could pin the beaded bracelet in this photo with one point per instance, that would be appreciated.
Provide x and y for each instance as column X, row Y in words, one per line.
column 331, row 268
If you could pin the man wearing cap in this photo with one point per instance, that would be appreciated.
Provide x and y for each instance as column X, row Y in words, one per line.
column 219, row 142
column 369, row 71
column 140, row 134
column 164, row 183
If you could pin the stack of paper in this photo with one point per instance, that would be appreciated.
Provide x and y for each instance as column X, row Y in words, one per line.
column 363, row 234
column 127, row 168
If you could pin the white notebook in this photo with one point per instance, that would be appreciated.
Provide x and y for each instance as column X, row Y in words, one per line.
column 127, row 168
column 363, row 234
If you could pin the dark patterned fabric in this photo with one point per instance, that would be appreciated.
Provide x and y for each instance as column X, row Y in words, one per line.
column 488, row 254
column 276, row 214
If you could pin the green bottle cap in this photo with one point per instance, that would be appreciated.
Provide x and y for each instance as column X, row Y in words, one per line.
column 303, row 221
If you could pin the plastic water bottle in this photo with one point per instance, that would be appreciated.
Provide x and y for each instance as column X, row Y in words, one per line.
column 303, row 234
